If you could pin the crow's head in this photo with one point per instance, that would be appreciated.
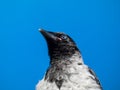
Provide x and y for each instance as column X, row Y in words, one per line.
column 60, row 45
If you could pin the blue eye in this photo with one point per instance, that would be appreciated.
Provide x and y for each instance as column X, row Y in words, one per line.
column 63, row 37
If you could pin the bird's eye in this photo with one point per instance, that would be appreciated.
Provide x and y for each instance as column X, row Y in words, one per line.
column 63, row 37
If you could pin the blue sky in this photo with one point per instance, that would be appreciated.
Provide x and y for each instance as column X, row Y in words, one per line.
column 93, row 24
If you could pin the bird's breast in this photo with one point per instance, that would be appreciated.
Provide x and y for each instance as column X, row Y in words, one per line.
column 74, row 76
column 70, row 74
column 75, row 81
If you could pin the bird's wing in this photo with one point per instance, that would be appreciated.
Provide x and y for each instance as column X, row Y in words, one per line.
column 96, row 79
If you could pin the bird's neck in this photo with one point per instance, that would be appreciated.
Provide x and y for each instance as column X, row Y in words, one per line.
column 58, row 69
column 64, row 57
column 61, row 52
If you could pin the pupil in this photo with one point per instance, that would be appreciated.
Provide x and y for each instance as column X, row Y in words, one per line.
column 63, row 37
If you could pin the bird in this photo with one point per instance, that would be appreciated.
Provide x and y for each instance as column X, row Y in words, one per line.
column 66, row 70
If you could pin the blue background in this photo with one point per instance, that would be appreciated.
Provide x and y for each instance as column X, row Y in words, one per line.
column 93, row 24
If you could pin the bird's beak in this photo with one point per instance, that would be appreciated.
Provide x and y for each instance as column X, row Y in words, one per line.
column 48, row 35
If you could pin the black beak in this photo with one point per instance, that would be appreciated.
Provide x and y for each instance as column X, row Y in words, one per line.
column 48, row 35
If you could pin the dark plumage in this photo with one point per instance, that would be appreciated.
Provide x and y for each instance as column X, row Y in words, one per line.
column 66, row 65
column 60, row 45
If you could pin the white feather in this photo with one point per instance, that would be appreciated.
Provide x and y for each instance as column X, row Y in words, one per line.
column 80, row 78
